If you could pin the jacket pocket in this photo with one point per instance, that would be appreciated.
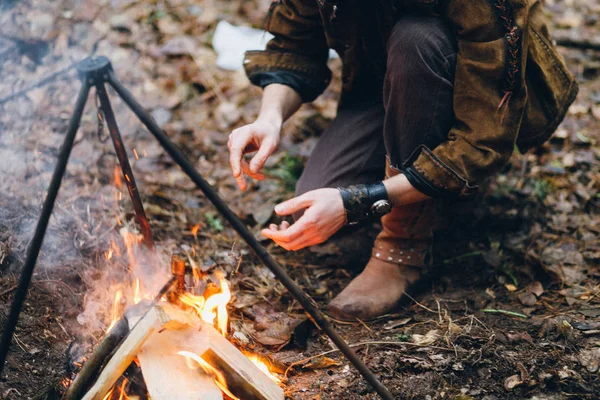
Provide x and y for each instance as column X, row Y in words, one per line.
column 551, row 90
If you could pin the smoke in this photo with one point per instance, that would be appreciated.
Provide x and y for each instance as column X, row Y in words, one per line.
column 91, row 216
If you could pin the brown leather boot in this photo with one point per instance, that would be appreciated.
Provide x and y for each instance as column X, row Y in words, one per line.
column 400, row 252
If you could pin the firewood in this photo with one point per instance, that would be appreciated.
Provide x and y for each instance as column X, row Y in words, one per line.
column 98, row 358
column 167, row 374
column 243, row 378
column 125, row 354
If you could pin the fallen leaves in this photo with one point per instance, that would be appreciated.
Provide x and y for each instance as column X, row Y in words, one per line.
column 272, row 328
column 512, row 382
column 530, row 295
column 425, row 340
column 590, row 359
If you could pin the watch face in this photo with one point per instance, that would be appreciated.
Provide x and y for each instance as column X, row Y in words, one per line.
column 381, row 207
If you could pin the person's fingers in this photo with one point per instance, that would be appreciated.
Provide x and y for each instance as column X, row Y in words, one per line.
column 296, row 204
column 274, row 227
column 287, row 235
column 247, row 171
column 260, row 158
column 302, row 242
column 238, row 144
column 284, row 225
column 241, row 182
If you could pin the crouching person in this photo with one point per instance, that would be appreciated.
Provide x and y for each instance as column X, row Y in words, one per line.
column 435, row 97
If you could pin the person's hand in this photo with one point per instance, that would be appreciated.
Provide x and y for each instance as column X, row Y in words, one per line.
column 324, row 216
column 261, row 137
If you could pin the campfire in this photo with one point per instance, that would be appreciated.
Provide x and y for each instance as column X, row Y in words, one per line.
column 177, row 338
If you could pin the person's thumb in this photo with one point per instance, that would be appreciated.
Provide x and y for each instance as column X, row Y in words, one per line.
column 260, row 158
column 296, row 204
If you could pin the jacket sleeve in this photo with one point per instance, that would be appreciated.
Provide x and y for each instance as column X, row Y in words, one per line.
column 489, row 99
column 299, row 48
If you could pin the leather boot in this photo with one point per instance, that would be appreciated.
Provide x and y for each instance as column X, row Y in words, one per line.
column 400, row 252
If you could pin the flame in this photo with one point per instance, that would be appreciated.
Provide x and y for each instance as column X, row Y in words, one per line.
column 218, row 377
column 131, row 241
column 212, row 310
column 216, row 307
column 260, row 364
column 115, row 310
column 196, row 302
column 136, row 292
column 117, row 176
column 109, row 394
column 123, row 395
column 118, row 183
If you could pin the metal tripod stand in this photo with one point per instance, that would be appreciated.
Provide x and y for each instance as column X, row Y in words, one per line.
column 97, row 71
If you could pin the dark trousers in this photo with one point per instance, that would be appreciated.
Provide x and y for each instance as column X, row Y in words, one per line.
column 390, row 115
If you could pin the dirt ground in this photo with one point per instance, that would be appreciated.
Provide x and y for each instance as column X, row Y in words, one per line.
column 512, row 309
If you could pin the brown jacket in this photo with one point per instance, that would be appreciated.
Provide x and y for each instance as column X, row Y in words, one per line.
column 511, row 87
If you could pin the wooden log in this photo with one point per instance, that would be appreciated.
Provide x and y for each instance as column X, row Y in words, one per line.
column 244, row 379
column 166, row 373
column 125, row 354
column 90, row 369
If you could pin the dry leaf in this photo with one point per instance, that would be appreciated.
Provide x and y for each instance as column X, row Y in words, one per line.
column 596, row 112
column 527, row 299
column 321, row 363
column 519, row 337
column 510, row 287
column 590, row 359
column 427, row 339
column 396, row 324
column 179, row 46
column 578, row 109
column 512, row 382
column 536, row 288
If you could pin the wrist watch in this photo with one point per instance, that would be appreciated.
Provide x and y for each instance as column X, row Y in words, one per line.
column 363, row 202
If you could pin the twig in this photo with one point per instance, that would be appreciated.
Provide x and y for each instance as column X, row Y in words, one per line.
column 419, row 304
column 44, row 281
column 511, row 313
column 40, row 83
column 463, row 256
column 48, row 79
column 584, row 44
column 592, row 332
column 381, row 343
column 7, row 291
column 364, row 324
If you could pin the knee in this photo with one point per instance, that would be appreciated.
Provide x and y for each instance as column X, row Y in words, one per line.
column 417, row 42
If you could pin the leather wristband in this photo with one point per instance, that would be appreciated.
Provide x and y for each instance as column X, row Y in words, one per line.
column 362, row 202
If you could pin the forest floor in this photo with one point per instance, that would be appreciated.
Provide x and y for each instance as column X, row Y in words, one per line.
column 513, row 307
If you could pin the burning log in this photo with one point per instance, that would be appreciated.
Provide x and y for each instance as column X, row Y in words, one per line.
column 161, row 338
column 86, row 376
column 167, row 374
column 124, row 355
column 240, row 373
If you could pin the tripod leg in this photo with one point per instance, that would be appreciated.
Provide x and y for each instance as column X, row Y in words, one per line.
column 117, row 140
column 38, row 237
column 305, row 301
